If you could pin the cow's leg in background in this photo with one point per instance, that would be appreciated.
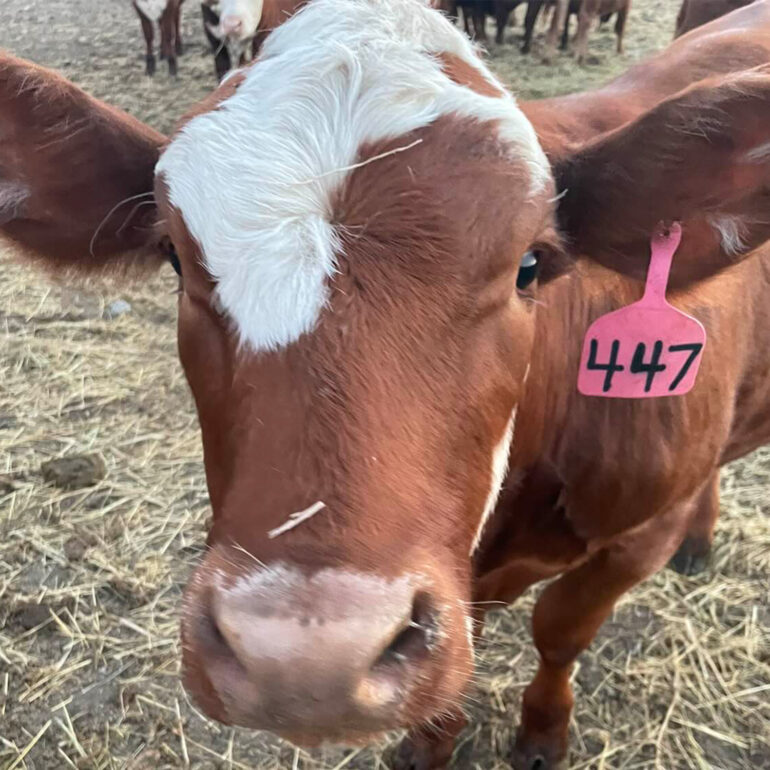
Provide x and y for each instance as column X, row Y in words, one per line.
column 530, row 20
column 168, row 38
column 558, row 19
column 149, row 36
column 218, row 48
column 430, row 747
column 586, row 16
column 178, row 45
column 466, row 21
column 479, row 23
column 620, row 27
column 566, row 618
column 564, row 45
column 502, row 14
column 694, row 552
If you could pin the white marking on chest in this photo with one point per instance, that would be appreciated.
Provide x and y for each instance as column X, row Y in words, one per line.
column 499, row 470
column 152, row 9
column 733, row 232
column 12, row 197
column 255, row 179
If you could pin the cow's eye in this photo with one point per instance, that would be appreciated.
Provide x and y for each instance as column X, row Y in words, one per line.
column 217, row 304
column 527, row 270
column 174, row 260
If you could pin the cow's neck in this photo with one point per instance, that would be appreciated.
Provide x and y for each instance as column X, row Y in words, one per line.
column 566, row 308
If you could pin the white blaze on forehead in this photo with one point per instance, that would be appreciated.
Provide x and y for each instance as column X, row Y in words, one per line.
column 255, row 178
column 500, row 456
column 152, row 9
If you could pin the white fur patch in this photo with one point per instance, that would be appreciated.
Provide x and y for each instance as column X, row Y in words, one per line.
column 499, row 470
column 285, row 584
column 255, row 178
column 733, row 233
column 152, row 9
column 12, row 196
column 758, row 154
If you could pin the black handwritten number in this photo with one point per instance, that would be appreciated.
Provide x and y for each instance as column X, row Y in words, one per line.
column 695, row 349
column 638, row 366
column 610, row 367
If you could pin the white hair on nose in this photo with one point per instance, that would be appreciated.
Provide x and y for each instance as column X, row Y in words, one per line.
column 500, row 455
column 255, row 178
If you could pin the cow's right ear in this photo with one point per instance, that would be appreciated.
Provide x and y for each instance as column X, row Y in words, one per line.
column 76, row 176
column 700, row 157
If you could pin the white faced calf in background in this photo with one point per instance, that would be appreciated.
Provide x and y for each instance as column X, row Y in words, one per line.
column 233, row 27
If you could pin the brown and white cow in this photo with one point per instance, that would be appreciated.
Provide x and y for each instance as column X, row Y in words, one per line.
column 695, row 13
column 167, row 15
column 235, row 29
column 373, row 301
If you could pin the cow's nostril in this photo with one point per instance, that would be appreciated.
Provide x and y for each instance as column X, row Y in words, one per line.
column 414, row 640
column 210, row 634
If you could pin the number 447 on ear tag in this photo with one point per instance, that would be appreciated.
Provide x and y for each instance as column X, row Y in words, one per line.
column 649, row 348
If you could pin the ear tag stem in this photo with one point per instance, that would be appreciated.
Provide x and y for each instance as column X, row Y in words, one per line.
column 648, row 349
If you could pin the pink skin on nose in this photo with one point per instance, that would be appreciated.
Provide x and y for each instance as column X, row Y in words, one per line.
column 232, row 25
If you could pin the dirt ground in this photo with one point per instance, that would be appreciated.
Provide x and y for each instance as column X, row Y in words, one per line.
column 678, row 679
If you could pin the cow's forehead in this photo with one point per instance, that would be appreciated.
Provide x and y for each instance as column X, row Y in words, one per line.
column 255, row 179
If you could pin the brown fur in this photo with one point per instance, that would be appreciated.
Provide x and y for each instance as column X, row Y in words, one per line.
column 389, row 410
column 49, row 127
column 695, row 13
column 463, row 74
column 730, row 44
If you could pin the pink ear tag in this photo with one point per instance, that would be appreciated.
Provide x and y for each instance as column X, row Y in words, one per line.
column 649, row 348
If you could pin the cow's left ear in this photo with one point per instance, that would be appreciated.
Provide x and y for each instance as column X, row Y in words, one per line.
column 76, row 175
column 701, row 157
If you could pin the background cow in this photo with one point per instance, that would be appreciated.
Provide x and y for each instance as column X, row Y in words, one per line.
column 475, row 13
column 236, row 29
column 166, row 14
column 588, row 12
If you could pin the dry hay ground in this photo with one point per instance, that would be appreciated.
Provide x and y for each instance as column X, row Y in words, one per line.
column 679, row 678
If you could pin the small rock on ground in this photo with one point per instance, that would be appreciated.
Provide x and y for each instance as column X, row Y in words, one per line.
column 117, row 308
column 74, row 472
column 7, row 484
column 30, row 615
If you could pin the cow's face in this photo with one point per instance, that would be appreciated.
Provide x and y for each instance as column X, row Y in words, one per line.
column 352, row 330
column 239, row 19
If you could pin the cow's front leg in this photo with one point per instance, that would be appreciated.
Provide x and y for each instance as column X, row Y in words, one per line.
column 693, row 554
column 430, row 746
column 565, row 621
